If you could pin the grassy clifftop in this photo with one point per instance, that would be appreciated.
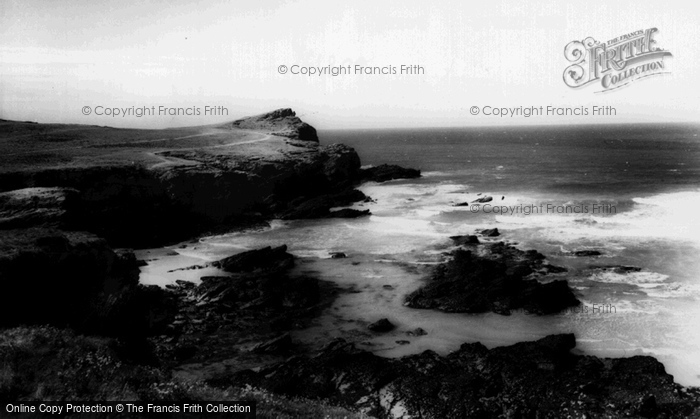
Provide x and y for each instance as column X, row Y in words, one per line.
column 147, row 187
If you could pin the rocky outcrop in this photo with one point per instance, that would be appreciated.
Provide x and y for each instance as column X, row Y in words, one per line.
column 282, row 122
column 467, row 239
column 249, row 310
column 75, row 279
column 37, row 207
column 526, row 380
column 483, row 199
column 493, row 277
column 386, row 172
column 490, row 232
column 265, row 259
column 320, row 206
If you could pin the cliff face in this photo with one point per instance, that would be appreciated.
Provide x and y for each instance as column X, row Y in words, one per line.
column 282, row 122
column 63, row 278
column 145, row 188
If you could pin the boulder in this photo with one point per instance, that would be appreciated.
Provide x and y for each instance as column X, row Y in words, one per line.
column 417, row 332
column 381, row 326
column 386, row 172
column 490, row 232
column 464, row 240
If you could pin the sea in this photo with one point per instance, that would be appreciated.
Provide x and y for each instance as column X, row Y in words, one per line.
column 628, row 194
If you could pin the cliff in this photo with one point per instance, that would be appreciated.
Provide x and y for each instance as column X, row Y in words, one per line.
column 142, row 188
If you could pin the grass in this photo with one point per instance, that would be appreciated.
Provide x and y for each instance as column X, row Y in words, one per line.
column 25, row 145
column 49, row 364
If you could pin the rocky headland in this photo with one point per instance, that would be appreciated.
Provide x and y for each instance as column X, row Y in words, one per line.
column 145, row 188
column 72, row 196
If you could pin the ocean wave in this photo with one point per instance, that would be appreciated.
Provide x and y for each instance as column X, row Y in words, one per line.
column 641, row 278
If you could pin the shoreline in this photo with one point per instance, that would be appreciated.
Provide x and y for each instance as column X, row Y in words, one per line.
column 250, row 310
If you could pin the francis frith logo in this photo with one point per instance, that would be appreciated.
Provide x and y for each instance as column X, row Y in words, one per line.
column 615, row 63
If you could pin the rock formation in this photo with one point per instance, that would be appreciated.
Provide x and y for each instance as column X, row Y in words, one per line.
column 525, row 380
column 492, row 277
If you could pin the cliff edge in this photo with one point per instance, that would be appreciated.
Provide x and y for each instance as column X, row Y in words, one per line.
column 140, row 188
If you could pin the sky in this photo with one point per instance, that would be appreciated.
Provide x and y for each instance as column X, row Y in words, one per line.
column 58, row 57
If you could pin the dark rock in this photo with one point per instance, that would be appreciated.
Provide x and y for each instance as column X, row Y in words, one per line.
column 403, row 342
column 494, row 281
column 341, row 164
column 585, row 253
column 529, row 379
column 184, row 284
column 647, row 406
column 37, row 207
column 483, row 199
column 261, row 280
column 348, row 213
column 552, row 269
column 462, row 240
column 381, row 326
column 279, row 344
column 263, row 259
column 461, row 204
column 490, row 232
column 388, row 287
column 319, row 207
column 50, row 276
column 386, row 172
column 417, row 332
column 75, row 279
column 338, row 255
column 184, row 352
column 223, row 313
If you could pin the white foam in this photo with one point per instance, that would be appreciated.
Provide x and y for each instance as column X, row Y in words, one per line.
column 636, row 278
column 664, row 216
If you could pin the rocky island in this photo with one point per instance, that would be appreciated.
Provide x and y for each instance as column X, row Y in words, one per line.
column 77, row 325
